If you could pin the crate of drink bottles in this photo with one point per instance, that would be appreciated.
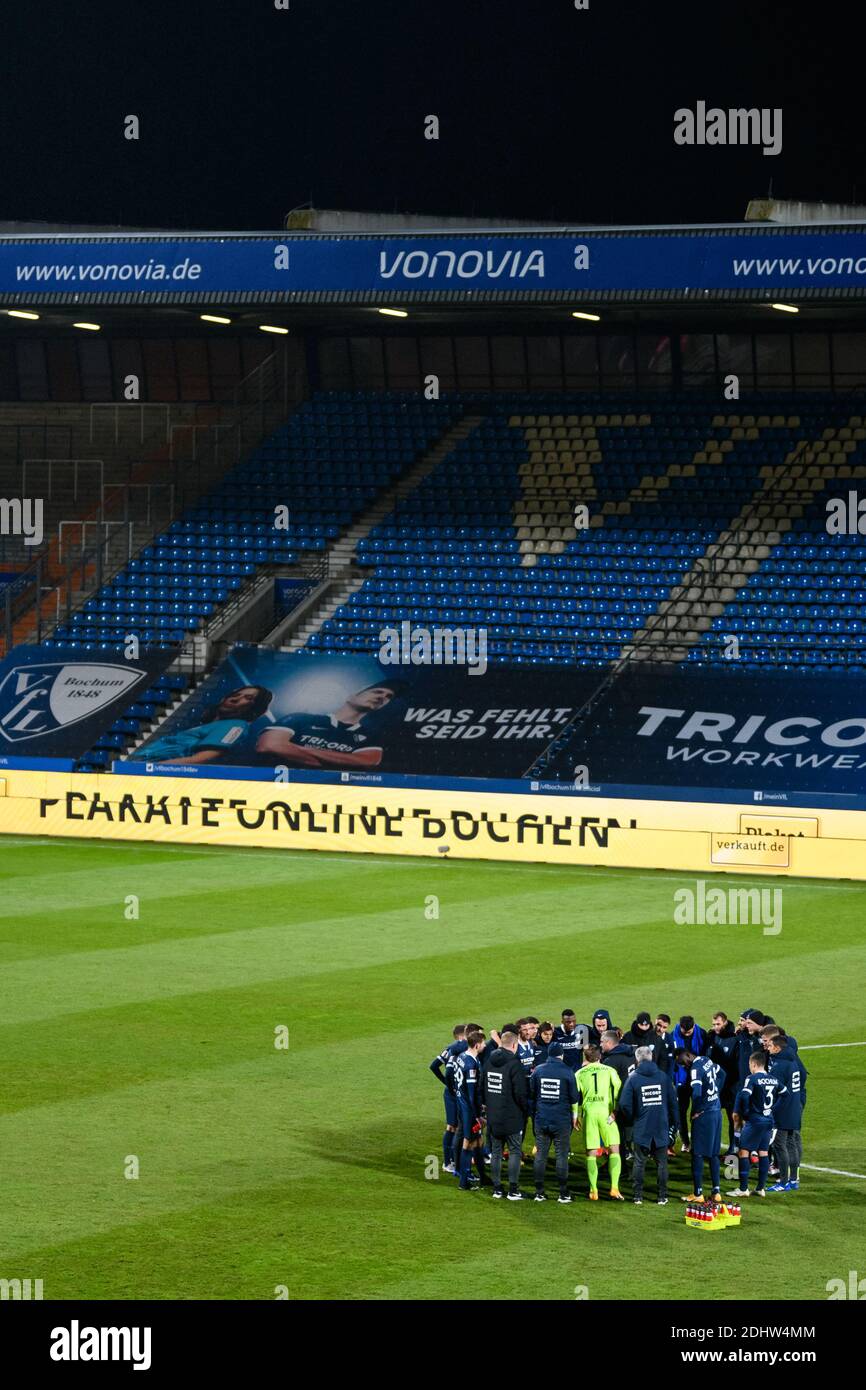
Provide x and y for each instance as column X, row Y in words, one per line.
column 713, row 1216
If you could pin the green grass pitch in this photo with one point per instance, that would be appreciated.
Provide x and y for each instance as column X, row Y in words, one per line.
column 305, row 1169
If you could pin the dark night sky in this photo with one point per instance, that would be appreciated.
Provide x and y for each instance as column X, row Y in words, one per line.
column 546, row 112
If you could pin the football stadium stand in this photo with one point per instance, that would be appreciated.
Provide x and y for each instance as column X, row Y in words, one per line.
column 698, row 524
column 325, row 467
column 577, row 531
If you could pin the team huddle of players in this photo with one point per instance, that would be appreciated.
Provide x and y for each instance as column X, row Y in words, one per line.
column 629, row 1094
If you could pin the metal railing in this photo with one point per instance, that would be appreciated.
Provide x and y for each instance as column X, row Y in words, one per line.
column 131, row 406
column 51, row 464
column 201, row 651
column 46, row 438
column 261, row 402
column 42, row 595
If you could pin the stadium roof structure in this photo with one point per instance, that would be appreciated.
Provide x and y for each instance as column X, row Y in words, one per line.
column 734, row 265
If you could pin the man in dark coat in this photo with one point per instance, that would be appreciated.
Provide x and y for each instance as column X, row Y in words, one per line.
column 617, row 1054
column 721, row 1046
column 648, row 1103
column 749, row 1040
column 506, row 1096
column 643, row 1034
column 688, row 1035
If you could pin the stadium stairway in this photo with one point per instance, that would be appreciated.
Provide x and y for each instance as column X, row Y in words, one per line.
column 344, row 549
column 729, row 563
column 342, row 554
column 147, row 723
column 339, row 592
column 805, row 606
column 151, row 706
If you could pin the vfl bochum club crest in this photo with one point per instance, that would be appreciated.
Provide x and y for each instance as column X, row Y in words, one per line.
column 40, row 699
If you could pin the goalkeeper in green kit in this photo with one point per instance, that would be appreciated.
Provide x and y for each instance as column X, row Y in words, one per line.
column 598, row 1087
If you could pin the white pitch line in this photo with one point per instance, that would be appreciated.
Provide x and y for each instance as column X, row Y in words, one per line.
column 838, row 1172
column 813, row 1047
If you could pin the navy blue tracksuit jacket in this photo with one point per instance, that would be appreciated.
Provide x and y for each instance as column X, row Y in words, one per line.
column 648, row 1101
